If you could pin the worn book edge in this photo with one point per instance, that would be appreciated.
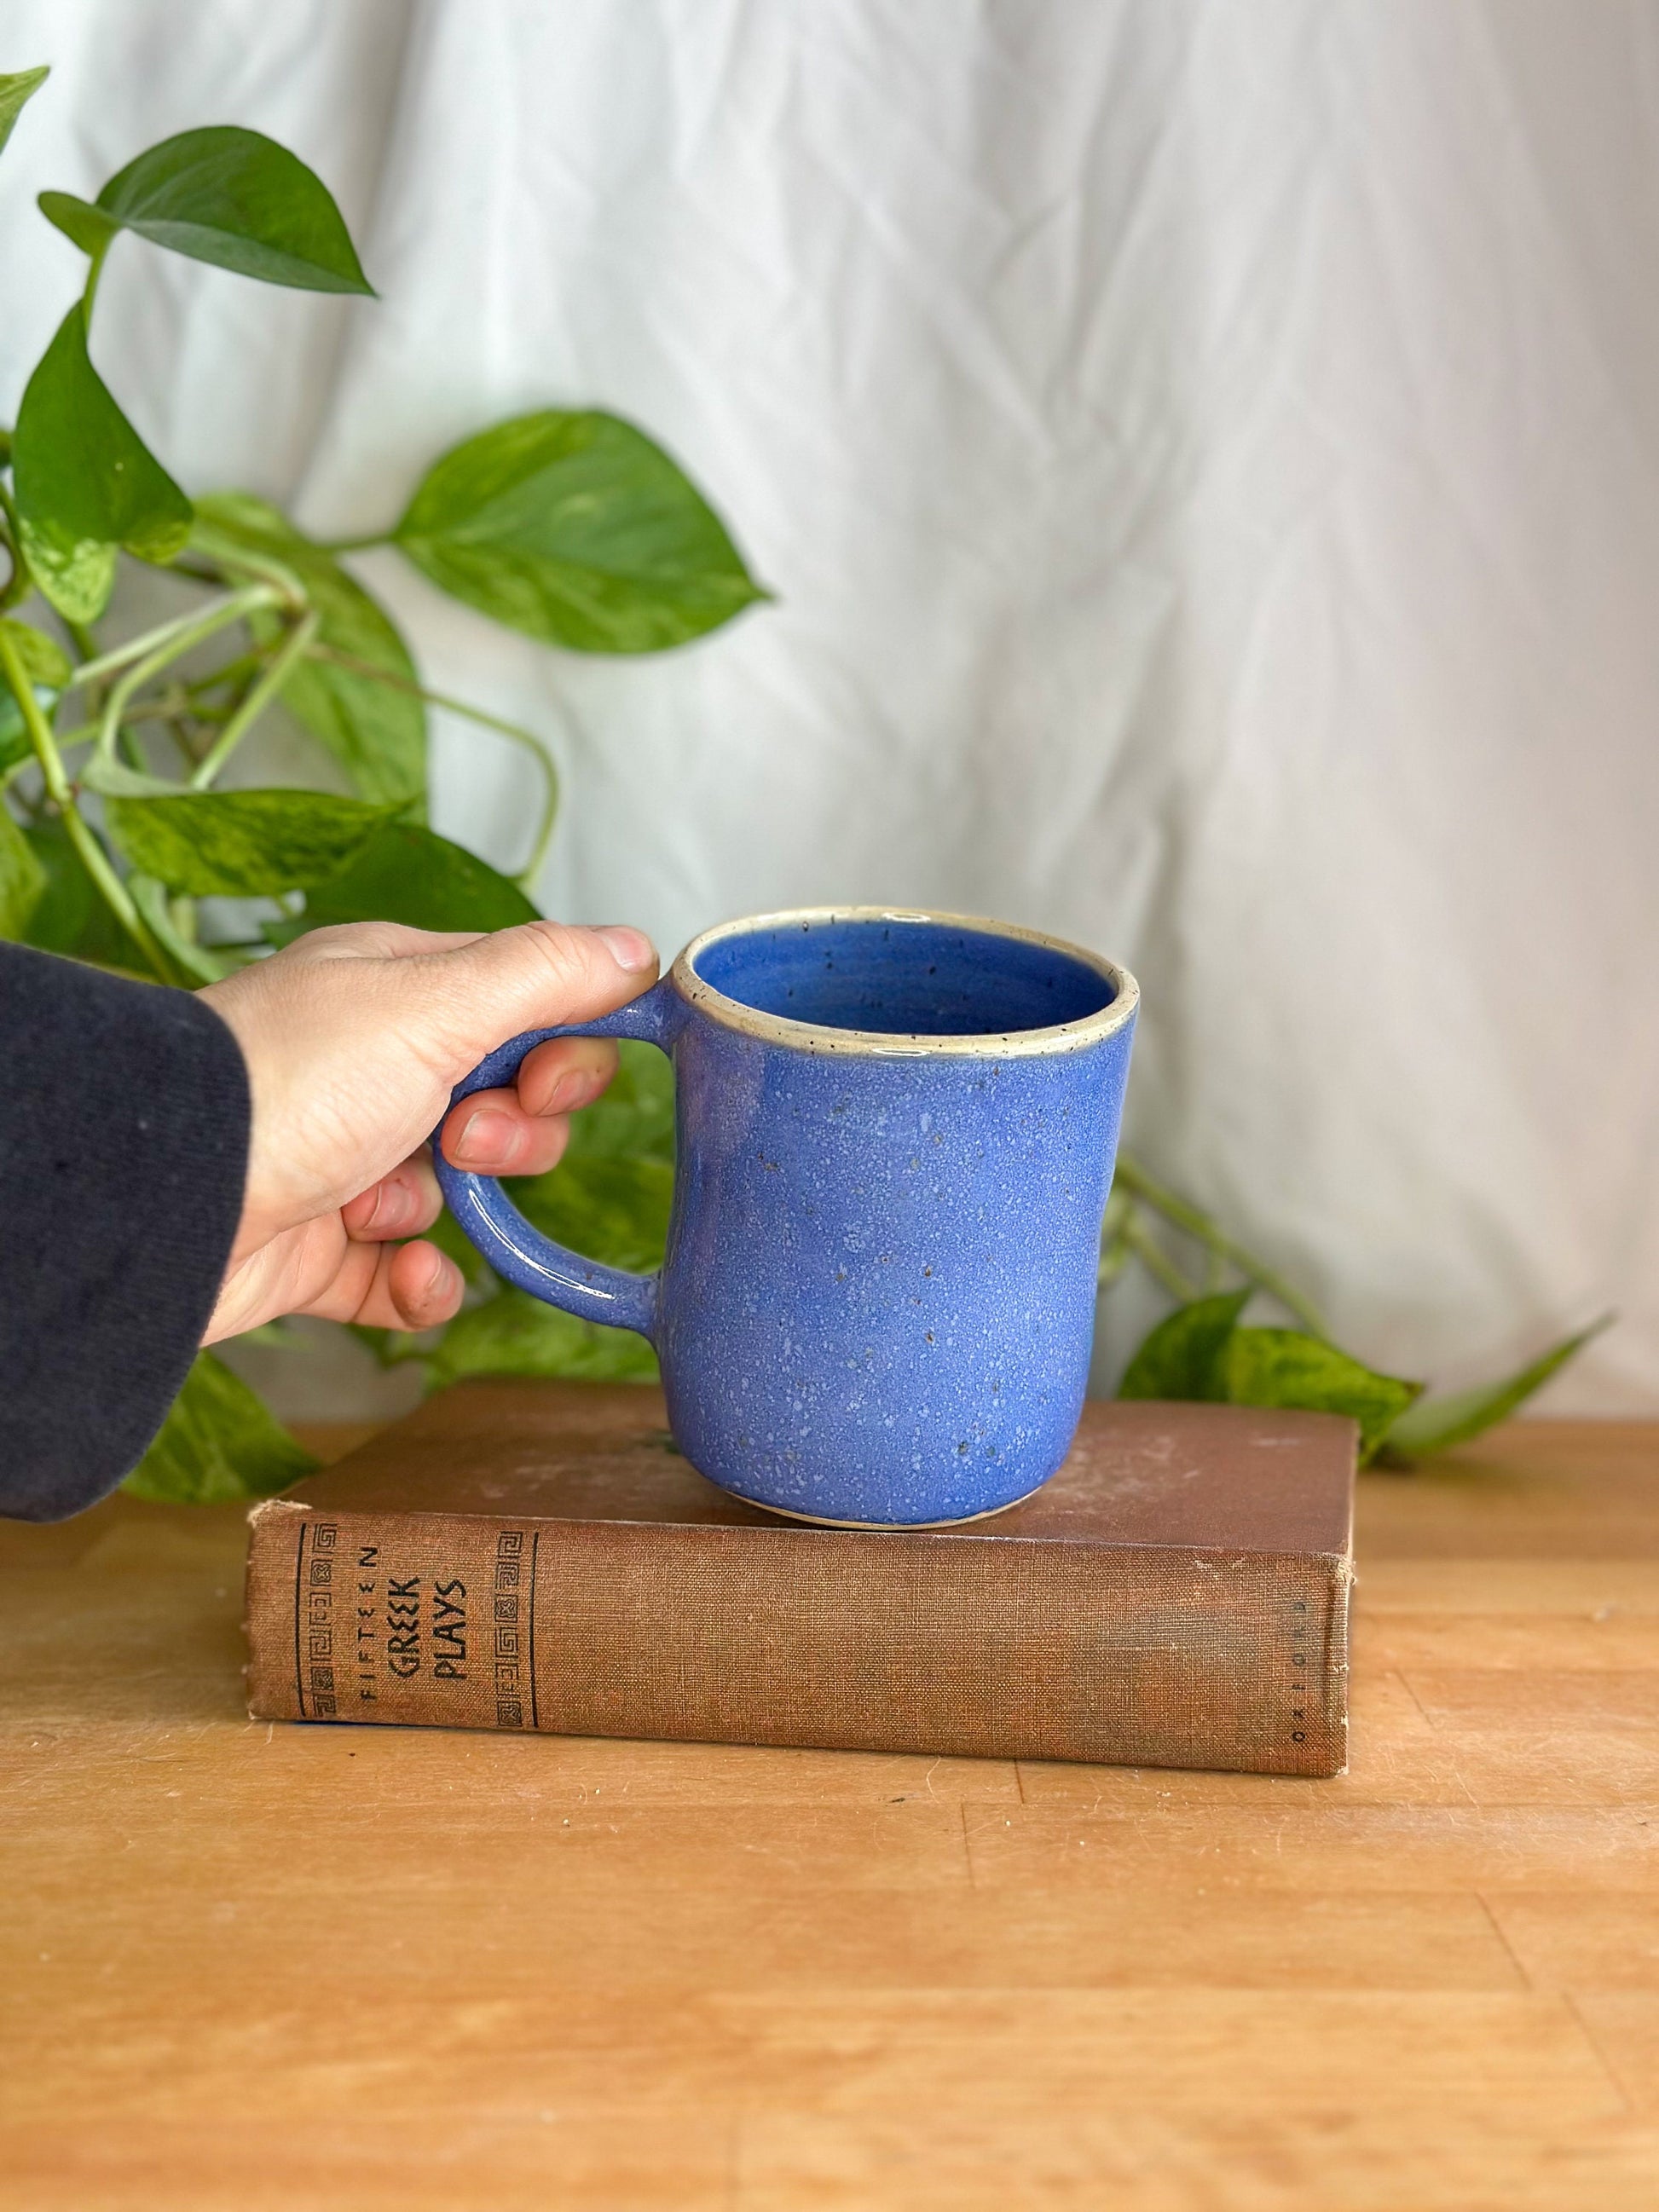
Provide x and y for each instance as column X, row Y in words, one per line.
column 1218, row 1721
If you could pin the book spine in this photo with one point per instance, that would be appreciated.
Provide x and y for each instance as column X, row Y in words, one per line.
column 1145, row 1657
column 421, row 1620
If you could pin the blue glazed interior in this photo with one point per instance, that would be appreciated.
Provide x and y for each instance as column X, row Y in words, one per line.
column 904, row 978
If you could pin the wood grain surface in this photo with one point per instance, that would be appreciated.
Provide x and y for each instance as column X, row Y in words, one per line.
column 252, row 1966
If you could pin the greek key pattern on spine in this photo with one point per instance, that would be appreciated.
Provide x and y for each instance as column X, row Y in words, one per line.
column 320, row 1620
column 509, row 1670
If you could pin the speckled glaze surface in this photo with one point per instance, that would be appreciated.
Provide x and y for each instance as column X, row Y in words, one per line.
column 895, row 1138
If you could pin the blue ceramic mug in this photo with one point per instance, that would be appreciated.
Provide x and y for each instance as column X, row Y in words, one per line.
column 895, row 1134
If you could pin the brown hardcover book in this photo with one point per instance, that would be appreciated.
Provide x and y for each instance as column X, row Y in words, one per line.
column 538, row 1555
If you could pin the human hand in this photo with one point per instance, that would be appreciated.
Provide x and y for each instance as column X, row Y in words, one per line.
column 354, row 1038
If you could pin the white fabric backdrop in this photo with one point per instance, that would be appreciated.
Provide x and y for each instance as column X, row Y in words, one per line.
column 1208, row 457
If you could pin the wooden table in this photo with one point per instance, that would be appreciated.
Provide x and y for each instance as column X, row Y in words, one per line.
column 252, row 1967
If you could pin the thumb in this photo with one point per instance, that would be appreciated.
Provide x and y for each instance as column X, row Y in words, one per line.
column 537, row 975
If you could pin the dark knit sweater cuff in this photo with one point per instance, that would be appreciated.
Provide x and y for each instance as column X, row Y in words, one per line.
column 123, row 1133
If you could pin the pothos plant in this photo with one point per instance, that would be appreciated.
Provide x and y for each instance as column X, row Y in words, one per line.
column 119, row 843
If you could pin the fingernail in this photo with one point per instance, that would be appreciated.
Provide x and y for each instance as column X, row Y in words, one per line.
column 631, row 949
column 393, row 1206
column 569, row 1091
column 436, row 1287
column 487, row 1136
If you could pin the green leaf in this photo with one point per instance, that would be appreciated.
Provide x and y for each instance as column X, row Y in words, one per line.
column 634, row 1118
column 219, row 1444
column 14, row 90
column 15, row 745
column 242, row 843
column 609, row 1198
column 72, row 916
column 576, row 529
column 615, row 1211
column 1184, row 1356
column 1438, row 1424
column 85, row 482
column 48, row 672
column 513, row 1334
column 23, row 878
column 406, row 873
column 1287, row 1367
column 376, row 731
column 82, row 224
column 234, row 199
column 449, row 1237
column 43, row 662
column 200, row 961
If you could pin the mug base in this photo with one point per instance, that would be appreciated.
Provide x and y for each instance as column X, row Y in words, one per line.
column 890, row 1527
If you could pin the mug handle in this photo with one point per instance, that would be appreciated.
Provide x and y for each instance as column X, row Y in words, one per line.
column 519, row 1254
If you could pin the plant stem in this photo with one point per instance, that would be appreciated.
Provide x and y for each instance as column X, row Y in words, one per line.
column 520, row 737
column 92, row 856
column 17, row 584
column 1183, row 1216
column 180, row 638
column 229, row 553
column 1114, row 1256
column 168, row 706
column 355, row 544
column 1208, row 1232
column 257, row 699
column 91, row 671
column 20, row 581
column 1157, row 1261
column 1113, row 1252
column 93, row 272
column 229, row 673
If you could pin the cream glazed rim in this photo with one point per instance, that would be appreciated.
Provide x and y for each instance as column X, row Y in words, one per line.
column 809, row 1036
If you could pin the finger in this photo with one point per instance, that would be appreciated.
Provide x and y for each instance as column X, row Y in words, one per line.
column 373, row 940
column 490, row 1134
column 407, row 1287
column 424, row 1286
column 402, row 1204
column 565, row 1074
column 539, row 975
column 522, row 1132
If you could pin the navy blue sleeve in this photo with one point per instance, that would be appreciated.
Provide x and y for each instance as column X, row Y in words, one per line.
column 124, row 1129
